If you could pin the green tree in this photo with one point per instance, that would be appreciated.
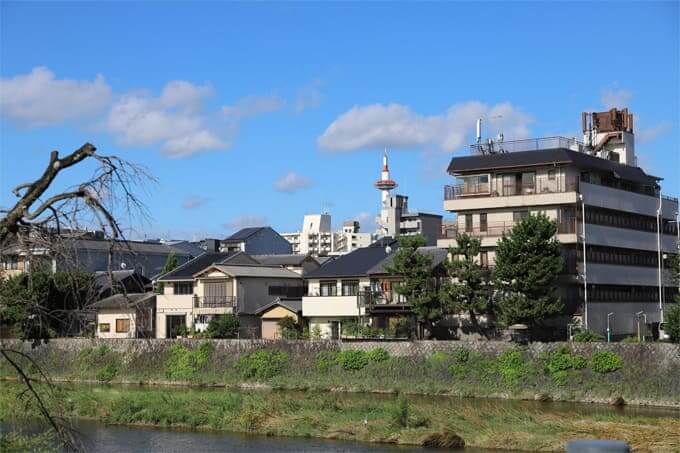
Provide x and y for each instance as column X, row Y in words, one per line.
column 419, row 284
column 170, row 265
column 223, row 326
column 528, row 263
column 672, row 322
column 290, row 328
column 468, row 287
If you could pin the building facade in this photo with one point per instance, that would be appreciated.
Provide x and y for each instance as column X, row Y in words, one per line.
column 600, row 201
column 317, row 238
column 256, row 241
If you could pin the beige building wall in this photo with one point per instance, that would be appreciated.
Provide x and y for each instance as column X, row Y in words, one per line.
column 109, row 316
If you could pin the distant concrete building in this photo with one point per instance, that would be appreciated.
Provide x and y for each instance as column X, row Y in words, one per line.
column 256, row 241
column 629, row 230
column 317, row 238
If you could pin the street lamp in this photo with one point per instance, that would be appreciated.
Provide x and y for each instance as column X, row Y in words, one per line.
column 609, row 332
column 585, row 274
column 641, row 339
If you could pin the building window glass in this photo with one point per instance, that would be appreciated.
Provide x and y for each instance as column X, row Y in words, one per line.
column 122, row 325
column 329, row 288
column 482, row 221
column 105, row 327
column 183, row 288
column 468, row 223
column 350, row 287
column 528, row 182
column 519, row 215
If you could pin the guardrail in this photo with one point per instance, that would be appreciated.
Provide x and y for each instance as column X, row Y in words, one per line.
column 214, row 301
column 496, row 229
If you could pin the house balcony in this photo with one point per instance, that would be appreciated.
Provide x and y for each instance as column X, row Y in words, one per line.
column 331, row 306
column 214, row 301
column 375, row 302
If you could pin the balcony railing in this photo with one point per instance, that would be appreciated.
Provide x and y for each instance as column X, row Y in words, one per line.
column 531, row 144
column 382, row 298
column 496, row 229
column 506, row 190
column 214, row 301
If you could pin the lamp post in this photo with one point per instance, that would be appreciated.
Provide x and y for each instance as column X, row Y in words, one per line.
column 585, row 274
column 658, row 250
column 609, row 332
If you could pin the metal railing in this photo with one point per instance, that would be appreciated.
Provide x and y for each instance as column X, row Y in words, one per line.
column 214, row 301
column 370, row 299
column 497, row 229
column 531, row 144
column 538, row 187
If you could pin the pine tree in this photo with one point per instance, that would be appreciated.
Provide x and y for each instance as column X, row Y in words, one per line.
column 418, row 285
column 170, row 264
column 468, row 288
column 528, row 263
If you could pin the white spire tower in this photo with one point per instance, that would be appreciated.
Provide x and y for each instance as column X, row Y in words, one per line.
column 384, row 184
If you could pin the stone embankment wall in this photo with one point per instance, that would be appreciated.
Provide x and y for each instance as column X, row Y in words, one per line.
column 663, row 355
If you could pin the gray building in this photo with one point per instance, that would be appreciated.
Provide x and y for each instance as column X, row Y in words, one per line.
column 257, row 241
column 402, row 222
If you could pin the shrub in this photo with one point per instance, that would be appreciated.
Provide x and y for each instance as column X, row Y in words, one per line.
column 512, row 367
column 325, row 360
column 461, row 355
column 315, row 333
column 263, row 364
column 378, row 355
column 107, row 373
column 586, row 336
column 558, row 363
column 350, row 328
column 438, row 358
column 223, row 326
column 184, row 364
column 672, row 322
column 605, row 362
column 353, row 360
column 399, row 413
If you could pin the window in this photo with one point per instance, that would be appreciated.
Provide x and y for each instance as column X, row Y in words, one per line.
column 528, row 182
column 329, row 288
column 286, row 291
column 519, row 215
column 105, row 327
column 183, row 288
column 551, row 175
column 484, row 259
column 350, row 287
column 482, row 221
column 474, row 184
column 11, row 262
column 122, row 325
column 468, row 223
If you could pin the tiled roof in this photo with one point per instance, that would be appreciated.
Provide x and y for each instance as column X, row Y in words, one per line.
column 294, row 305
column 438, row 255
column 244, row 233
column 125, row 301
column 282, row 260
column 187, row 270
column 255, row 271
column 356, row 263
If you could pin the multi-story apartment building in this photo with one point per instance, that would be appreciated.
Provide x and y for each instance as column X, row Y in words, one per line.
column 602, row 204
column 317, row 238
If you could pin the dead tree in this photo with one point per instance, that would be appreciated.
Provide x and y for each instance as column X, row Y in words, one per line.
column 45, row 220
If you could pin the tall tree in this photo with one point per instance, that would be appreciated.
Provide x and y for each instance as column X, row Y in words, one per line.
column 467, row 289
column 528, row 263
column 419, row 284
column 170, row 265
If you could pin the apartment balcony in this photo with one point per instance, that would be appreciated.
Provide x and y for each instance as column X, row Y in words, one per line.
column 498, row 229
column 485, row 195
column 214, row 301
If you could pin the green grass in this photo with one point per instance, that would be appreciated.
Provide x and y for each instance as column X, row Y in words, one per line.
column 381, row 418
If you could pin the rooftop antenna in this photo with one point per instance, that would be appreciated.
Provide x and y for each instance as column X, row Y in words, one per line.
column 479, row 131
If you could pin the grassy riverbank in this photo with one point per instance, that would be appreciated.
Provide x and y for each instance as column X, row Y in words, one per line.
column 515, row 425
column 561, row 375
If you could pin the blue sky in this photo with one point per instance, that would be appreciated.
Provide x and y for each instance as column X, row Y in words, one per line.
column 258, row 112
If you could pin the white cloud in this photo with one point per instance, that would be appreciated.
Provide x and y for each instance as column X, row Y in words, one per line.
column 397, row 126
column 194, row 202
column 649, row 134
column 250, row 106
column 291, row 182
column 615, row 98
column 308, row 96
column 39, row 99
column 245, row 221
column 174, row 120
